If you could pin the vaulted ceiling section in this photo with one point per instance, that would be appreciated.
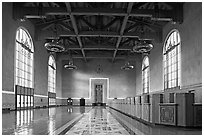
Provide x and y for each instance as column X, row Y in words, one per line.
column 99, row 29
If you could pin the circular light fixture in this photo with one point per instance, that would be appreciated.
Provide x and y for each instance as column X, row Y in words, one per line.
column 142, row 47
column 54, row 46
column 127, row 66
column 70, row 66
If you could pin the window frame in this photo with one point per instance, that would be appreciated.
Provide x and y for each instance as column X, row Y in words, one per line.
column 145, row 75
column 24, row 59
column 172, row 60
column 51, row 71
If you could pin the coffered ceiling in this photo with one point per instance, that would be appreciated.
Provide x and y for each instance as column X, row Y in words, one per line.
column 99, row 29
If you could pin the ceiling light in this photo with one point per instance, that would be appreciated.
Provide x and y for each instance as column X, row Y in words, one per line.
column 142, row 47
column 70, row 66
column 127, row 66
column 54, row 46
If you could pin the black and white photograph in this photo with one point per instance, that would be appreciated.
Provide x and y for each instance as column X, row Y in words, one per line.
column 101, row 68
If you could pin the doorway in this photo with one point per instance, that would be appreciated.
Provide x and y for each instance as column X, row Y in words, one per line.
column 23, row 97
column 98, row 94
column 98, row 91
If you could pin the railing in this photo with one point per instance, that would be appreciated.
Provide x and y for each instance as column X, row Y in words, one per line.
column 179, row 111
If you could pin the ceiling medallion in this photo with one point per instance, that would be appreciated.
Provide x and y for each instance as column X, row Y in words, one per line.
column 54, row 46
column 99, row 69
column 142, row 47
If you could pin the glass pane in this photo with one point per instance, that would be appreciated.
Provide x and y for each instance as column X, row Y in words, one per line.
column 22, row 101
column 26, row 101
column 18, row 100
column 169, row 84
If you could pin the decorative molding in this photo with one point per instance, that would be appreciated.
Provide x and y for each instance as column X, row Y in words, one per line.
column 7, row 92
column 197, row 85
column 40, row 96
column 60, row 98
column 168, row 114
column 192, row 86
column 107, row 87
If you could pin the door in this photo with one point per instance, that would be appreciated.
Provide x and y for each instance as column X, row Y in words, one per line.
column 98, row 93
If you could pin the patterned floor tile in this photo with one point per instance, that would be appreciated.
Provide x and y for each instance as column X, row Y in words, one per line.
column 97, row 122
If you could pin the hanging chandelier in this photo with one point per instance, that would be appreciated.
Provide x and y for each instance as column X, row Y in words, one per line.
column 54, row 46
column 70, row 66
column 127, row 66
column 142, row 47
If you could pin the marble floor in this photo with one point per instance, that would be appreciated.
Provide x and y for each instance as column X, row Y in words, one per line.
column 98, row 122
column 75, row 120
column 44, row 121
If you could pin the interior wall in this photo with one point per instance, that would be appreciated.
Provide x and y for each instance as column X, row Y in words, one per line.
column 9, row 27
column 75, row 83
column 191, row 52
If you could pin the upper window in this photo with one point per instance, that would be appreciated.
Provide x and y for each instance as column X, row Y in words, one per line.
column 172, row 59
column 51, row 74
column 24, row 59
column 145, row 74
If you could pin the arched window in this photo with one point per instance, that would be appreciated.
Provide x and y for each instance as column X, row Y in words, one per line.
column 172, row 59
column 24, row 59
column 145, row 74
column 24, row 87
column 51, row 74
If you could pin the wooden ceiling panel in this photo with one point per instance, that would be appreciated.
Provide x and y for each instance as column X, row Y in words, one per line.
column 108, row 28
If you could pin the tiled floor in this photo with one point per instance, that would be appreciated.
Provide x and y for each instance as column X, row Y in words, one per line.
column 81, row 121
column 43, row 121
column 98, row 122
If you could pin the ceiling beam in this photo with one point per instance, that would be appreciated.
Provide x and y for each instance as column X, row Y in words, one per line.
column 125, row 41
column 132, row 26
column 98, row 34
column 87, row 23
column 99, row 47
column 53, row 21
column 20, row 12
column 65, row 26
column 111, row 23
column 99, row 11
column 65, row 33
column 68, row 6
column 129, row 8
column 102, row 56
column 71, row 40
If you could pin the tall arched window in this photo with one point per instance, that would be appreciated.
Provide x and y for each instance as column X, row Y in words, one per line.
column 24, row 69
column 172, row 59
column 51, row 74
column 24, row 59
column 145, row 74
column 51, row 81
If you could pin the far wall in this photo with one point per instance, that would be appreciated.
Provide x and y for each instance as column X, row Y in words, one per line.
column 75, row 83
